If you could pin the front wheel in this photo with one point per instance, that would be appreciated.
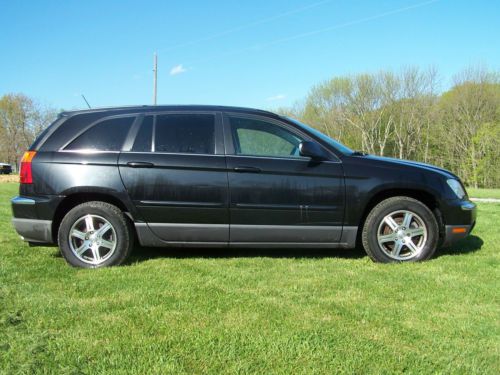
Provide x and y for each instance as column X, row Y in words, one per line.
column 95, row 234
column 400, row 229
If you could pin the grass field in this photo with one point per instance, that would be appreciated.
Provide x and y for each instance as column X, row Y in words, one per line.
column 248, row 311
column 484, row 193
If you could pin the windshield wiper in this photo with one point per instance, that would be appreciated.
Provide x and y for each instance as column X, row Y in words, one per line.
column 359, row 153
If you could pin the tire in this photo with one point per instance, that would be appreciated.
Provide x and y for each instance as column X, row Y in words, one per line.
column 101, row 236
column 400, row 229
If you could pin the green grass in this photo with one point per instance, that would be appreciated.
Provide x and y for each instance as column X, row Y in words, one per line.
column 222, row 311
column 483, row 193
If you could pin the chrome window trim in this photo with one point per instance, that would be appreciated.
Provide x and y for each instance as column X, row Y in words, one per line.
column 301, row 158
column 172, row 153
column 90, row 152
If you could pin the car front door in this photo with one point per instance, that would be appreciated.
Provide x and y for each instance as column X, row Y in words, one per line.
column 174, row 170
column 276, row 195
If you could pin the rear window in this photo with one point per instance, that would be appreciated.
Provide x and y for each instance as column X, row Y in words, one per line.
column 42, row 135
column 189, row 133
column 107, row 135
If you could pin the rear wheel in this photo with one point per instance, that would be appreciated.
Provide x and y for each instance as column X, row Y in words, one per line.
column 95, row 234
column 400, row 229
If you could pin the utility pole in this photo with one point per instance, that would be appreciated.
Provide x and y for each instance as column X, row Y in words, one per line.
column 155, row 75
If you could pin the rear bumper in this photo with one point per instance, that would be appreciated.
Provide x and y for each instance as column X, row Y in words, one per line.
column 26, row 220
column 463, row 222
column 34, row 230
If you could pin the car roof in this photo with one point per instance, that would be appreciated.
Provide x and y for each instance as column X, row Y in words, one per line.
column 160, row 108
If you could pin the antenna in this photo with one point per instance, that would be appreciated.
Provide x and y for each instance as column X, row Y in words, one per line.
column 155, row 75
column 83, row 96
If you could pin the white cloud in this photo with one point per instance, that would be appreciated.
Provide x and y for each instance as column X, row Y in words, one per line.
column 178, row 69
column 276, row 97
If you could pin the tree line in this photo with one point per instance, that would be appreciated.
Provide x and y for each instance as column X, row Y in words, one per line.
column 403, row 114
column 21, row 120
column 400, row 114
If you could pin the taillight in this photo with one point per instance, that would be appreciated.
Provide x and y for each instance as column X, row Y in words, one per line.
column 25, row 175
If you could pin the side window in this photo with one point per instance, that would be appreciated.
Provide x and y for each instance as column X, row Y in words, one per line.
column 144, row 138
column 260, row 138
column 185, row 133
column 107, row 135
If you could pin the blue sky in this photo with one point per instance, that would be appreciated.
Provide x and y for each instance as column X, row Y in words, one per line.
column 257, row 53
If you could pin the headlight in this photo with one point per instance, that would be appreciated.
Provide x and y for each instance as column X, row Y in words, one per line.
column 457, row 188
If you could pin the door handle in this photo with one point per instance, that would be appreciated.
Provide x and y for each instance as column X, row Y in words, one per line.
column 140, row 164
column 247, row 169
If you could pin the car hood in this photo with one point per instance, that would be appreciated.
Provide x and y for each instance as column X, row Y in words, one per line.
column 410, row 163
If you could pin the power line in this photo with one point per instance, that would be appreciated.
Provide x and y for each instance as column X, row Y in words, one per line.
column 319, row 31
column 248, row 25
column 351, row 23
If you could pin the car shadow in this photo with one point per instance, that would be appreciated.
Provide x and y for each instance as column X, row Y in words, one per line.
column 141, row 254
column 467, row 245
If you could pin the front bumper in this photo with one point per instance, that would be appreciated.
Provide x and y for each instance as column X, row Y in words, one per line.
column 462, row 219
column 29, row 226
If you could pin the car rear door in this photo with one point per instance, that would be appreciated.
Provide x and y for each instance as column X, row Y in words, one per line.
column 175, row 173
column 276, row 195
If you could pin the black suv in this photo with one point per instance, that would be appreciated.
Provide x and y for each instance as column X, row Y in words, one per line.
column 198, row 176
column 5, row 168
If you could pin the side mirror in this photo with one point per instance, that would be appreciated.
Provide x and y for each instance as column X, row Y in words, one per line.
column 312, row 150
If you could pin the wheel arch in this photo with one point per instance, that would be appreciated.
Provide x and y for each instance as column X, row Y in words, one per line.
column 423, row 196
column 74, row 199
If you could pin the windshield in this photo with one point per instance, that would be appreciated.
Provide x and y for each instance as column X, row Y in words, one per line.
column 337, row 145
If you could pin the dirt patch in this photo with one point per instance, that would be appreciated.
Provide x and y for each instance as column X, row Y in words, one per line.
column 9, row 178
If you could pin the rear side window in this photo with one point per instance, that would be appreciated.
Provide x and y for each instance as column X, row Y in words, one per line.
column 107, row 135
column 189, row 133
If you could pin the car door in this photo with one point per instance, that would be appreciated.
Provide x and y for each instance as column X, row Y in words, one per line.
column 276, row 195
column 174, row 170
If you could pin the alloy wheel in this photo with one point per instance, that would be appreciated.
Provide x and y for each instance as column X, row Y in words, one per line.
column 402, row 235
column 92, row 239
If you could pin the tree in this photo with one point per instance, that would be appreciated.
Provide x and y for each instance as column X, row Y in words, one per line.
column 324, row 106
column 21, row 120
column 402, row 114
column 411, row 98
column 351, row 109
column 471, row 116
